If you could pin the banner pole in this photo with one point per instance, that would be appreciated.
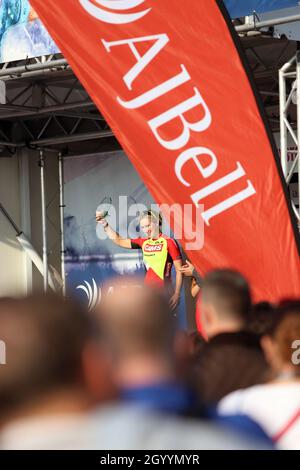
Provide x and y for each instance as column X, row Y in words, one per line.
column 283, row 129
column 44, row 219
column 61, row 211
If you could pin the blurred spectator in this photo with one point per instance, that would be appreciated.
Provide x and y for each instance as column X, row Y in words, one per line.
column 196, row 344
column 54, row 368
column 276, row 405
column 261, row 318
column 195, row 288
column 196, row 282
column 147, row 351
column 57, row 374
column 152, row 361
column 232, row 358
column 47, row 340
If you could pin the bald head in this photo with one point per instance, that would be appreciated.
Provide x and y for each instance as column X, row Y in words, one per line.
column 136, row 320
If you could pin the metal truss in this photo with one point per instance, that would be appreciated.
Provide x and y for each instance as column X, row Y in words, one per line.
column 265, row 56
column 255, row 24
column 289, row 82
column 33, row 67
column 46, row 105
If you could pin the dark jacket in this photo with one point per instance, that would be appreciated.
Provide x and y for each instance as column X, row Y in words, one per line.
column 228, row 362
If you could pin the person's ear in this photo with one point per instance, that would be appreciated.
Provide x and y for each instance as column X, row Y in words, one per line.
column 207, row 317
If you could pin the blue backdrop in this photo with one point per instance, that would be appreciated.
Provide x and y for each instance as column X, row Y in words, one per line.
column 92, row 260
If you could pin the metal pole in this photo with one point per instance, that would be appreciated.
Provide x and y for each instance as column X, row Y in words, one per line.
column 47, row 110
column 292, row 169
column 72, row 138
column 61, row 210
column 283, row 128
column 17, row 71
column 288, row 64
column 10, row 220
column 3, row 143
column 44, row 219
column 296, row 211
column 298, row 123
column 267, row 23
column 27, row 246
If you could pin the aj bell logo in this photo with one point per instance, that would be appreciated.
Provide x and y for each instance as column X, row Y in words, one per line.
column 112, row 11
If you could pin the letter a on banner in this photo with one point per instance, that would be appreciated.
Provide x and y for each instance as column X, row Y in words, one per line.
column 171, row 80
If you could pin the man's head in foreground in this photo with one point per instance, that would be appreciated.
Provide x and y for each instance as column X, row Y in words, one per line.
column 54, row 362
column 139, row 330
column 281, row 341
column 225, row 302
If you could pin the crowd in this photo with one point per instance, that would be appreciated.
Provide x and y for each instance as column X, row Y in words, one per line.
column 125, row 377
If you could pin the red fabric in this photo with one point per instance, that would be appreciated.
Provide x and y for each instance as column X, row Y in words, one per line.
column 173, row 249
column 137, row 241
column 153, row 280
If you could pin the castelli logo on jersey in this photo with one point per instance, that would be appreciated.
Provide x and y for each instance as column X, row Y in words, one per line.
column 153, row 248
column 114, row 10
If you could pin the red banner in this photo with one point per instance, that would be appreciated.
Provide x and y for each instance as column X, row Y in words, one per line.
column 170, row 80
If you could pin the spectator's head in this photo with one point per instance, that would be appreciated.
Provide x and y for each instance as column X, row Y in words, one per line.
column 281, row 343
column 225, row 302
column 139, row 330
column 51, row 358
column 261, row 318
column 196, row 343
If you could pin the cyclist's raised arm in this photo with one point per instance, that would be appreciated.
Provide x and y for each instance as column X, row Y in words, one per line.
column 112, row 235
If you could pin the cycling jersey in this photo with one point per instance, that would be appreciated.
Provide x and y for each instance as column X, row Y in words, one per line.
column 158, row 255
